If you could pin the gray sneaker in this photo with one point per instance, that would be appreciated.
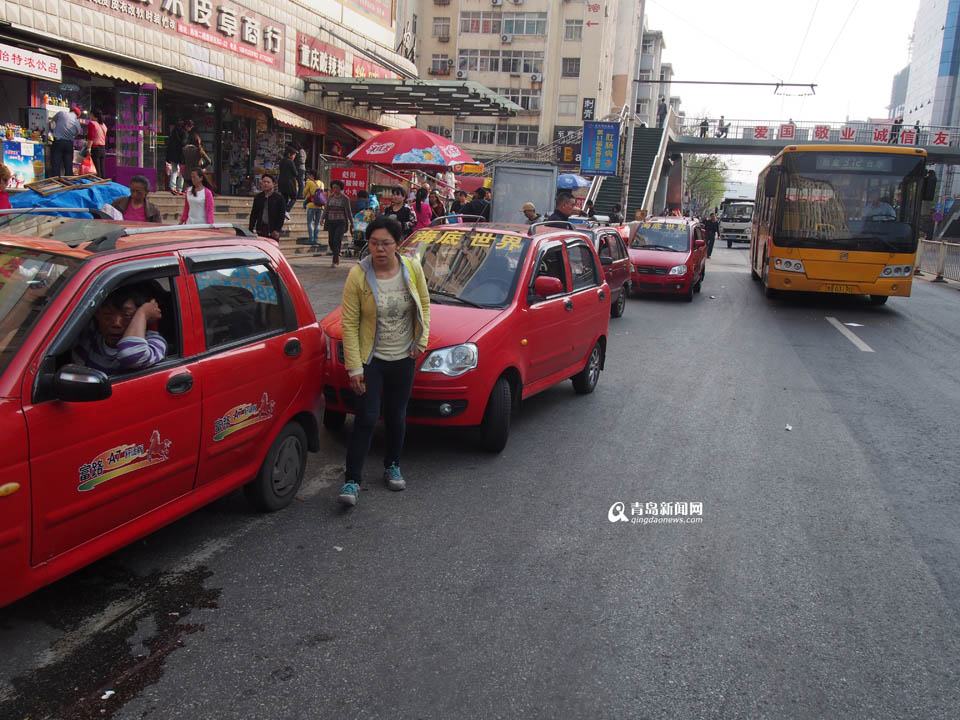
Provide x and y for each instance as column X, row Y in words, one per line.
column 393, row 477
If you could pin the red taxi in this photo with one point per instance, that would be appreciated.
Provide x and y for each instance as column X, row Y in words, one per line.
column 511, row 314
column 94, row 461
column 668, row 255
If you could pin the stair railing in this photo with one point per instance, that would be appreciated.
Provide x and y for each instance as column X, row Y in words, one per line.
column 622, row 117
column 654, row 179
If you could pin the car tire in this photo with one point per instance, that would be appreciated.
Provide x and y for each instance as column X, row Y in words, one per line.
column 688, row 295
column 699, row 285
column 495, row 427
column 279, row 478
column 334, row 419
column 586, row 380
column 878, row 299
column 768, row 291
column 617, row 308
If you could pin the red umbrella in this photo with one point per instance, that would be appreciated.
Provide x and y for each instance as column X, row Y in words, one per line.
column 410, row 149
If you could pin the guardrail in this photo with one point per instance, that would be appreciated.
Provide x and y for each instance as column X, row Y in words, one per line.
column 940, row 258
column 856, row 132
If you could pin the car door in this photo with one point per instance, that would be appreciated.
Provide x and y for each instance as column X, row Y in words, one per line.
column 99, row 464
column 589, row 300
column 250, row 367
column 543, row 322
column 618, row 272
column 699, row 252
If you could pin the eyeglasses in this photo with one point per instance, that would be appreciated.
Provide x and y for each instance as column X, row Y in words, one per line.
column 382, row 244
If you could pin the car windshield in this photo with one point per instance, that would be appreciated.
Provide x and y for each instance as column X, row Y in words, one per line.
column 479, row 267
column 737, row 213
column 29, row 280
column 850, row 201
column 661, row 236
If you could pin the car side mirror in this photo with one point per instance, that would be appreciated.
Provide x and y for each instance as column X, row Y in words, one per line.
column 76, row 383
column 606, row 260
column 771, row 181
column 930, row 186
column 699, row 244
column 545, row 286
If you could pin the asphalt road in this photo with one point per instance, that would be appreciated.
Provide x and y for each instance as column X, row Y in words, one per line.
column 823, row 579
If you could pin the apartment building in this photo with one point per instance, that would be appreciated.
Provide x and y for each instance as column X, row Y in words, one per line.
column 562, row 61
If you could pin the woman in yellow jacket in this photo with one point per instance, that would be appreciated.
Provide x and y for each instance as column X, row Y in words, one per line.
column 385, row 316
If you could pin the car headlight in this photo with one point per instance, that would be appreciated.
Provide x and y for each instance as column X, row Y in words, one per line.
column 788, row 265
column 678, row 270
column 897, row 270
column 452, row 361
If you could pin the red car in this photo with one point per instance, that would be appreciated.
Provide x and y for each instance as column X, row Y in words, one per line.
column 668, row 255
column 612, row 249
column 94, row 461
column 511, row 314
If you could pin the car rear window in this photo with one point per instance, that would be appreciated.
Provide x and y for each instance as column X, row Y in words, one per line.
column 239, row 302
column 29, row 280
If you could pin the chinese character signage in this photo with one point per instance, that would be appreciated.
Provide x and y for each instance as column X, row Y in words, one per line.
column 367, row 69
column 600, row 148
column 220, row 23
column 568, row 153
column 353, row 179
column 378, row 10
column 848, row 133
column 762, row 132
column 24, row 62
column 315, row 57
column 788, row 132
column 589, row 108
column 821, row 132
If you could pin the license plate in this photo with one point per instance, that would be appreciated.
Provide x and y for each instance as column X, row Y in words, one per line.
column 832, row 288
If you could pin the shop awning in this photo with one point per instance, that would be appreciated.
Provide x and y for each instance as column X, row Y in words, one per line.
column 364, row 133
column 284, row 116
column 117, row 72
column 414, row 96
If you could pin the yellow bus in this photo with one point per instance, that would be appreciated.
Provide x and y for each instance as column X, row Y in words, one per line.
column 839, row 219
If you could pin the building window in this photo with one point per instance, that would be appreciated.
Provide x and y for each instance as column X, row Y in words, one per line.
column 643, row 75
column 647, row 47
column 439, row 64
column 479, row 60
column 567, row 105
column 522, row 61
column 527, row 99
column 441, row 27
column 643, row 108
column 517, row 135
column 573, row 30
column 476, row 134
column 571, row 67
column 480, row 22
column 525, row 23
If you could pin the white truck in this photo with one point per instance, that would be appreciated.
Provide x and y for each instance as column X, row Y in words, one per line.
column 736, row 215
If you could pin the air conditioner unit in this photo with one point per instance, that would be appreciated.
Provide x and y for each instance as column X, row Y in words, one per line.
column 518, row 2
column 506, row 39
column 461, row 74
column 536, row 77
column 447, row 132
column 497, row 2
column 451, row 62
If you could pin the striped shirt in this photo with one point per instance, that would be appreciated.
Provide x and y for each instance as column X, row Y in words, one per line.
column 131, row 353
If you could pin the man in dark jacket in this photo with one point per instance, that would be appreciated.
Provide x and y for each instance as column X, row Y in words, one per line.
column 175, row 142
column 287, row 182
column 565, row 207
column 267, row 215
column 711, row 227
column 479, row 206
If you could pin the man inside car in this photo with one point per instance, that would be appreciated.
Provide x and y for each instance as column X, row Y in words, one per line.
column 121, row 337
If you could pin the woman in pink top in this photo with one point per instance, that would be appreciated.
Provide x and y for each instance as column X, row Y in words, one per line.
column 422, row 210
column 198, row 200
column 97, row 140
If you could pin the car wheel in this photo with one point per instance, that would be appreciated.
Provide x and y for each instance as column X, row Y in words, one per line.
column 495, row 428
column 617, row 308
column 280, row 476
column 767, row 290
column 586, row 380
column 696, row 288
column 333, row 419
column 878, row 299
column 688, row 295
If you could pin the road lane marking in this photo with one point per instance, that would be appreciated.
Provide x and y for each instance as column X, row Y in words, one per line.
column 849, row 335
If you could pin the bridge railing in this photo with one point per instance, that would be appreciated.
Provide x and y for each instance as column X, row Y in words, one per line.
column 854, row 132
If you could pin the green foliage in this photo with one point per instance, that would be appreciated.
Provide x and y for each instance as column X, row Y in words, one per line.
column 706, row 177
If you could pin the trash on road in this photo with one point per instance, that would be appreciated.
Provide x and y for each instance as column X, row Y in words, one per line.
column 854, row 324
column 108, row 694
column 788, row 427
column 338, row 548
column 713, row 297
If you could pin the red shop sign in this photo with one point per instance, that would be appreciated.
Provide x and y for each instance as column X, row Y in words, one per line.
column 353, row 179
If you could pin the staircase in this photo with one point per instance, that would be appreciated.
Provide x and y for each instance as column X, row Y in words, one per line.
column 646, row 143
column 293, row 237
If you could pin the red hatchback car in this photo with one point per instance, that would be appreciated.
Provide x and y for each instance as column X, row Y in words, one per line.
column 668, row 255
column 511, row 314
column 612, row 250
column 94, row 461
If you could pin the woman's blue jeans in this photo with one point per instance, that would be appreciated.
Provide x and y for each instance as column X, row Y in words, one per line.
column 313, row 224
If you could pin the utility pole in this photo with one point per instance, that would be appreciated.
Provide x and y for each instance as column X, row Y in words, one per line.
column 628, row 161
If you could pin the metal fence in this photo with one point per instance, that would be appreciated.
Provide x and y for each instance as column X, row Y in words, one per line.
column 939, row 258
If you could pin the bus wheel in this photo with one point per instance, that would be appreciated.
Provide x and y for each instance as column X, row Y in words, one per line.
column 753, row 272
column 878, row 299
column 768, row 291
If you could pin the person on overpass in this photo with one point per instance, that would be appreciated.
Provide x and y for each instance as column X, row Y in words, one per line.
column 704, row 126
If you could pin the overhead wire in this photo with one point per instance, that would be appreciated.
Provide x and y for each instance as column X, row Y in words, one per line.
column 835, row 41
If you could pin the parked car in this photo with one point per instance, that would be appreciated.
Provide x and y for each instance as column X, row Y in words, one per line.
column 94, row 460
column 612, row 250
column 513, row 312
column 668, row 255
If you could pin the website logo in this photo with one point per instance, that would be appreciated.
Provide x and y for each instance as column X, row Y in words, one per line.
column 616, row 513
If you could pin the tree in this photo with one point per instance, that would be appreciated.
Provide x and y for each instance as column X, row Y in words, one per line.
column 705, row 178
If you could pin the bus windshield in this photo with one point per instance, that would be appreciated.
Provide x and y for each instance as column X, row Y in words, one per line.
column 849, row 201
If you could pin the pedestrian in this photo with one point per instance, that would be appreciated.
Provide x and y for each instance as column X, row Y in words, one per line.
column 479, row 206
column 301, row 162
column 916, row 132
column 267, row 214
column 437, row 210
column 895, row 131
column 5, row 176
column 711, row 227
column 66, row 128
column 459, row 200
column 314, row 207
column 97, row 141
column 287, row 180
column 422, row 210
column 337, row 219
column 193, row 153
column 198, row 200
column 368, row 201
column 639, row 215
column 564, row 208
column 722, row 128
column 661, row 112
column 588, row 209
column 529, row 211
column 399, row 209
column 385, row 317
column 135, row 207
column 616, row 214
column 704, row 126
column 174, row 159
